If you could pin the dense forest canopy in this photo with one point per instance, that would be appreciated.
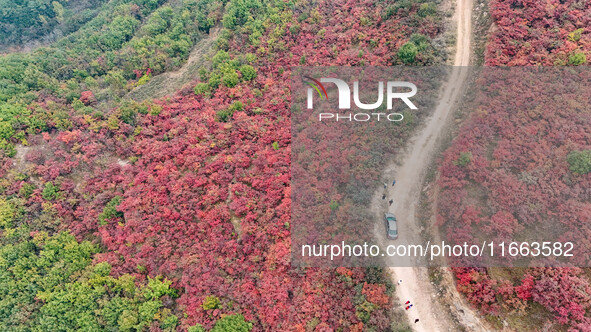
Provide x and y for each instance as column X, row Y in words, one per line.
column 513, row 167
column 175, row 213
column 122, row 213
column 26, row 21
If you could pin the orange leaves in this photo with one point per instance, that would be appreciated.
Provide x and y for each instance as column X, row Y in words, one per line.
column 376, row 294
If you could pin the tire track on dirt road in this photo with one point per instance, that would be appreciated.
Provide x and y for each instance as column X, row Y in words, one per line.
column 409, row 176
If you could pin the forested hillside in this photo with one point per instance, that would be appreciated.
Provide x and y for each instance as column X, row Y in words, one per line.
column 26, row 21
column 174, row 214
column 539, row 33
column 508, row 171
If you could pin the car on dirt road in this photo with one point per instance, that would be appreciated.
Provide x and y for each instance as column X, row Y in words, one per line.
column 391, row 226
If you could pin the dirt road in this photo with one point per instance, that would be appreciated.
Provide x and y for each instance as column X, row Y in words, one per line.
column 416, row 286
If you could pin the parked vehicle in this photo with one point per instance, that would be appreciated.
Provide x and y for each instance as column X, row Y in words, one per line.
column 391, row 226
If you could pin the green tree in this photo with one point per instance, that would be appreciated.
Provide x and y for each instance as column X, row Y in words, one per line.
column 50, row 281
column 110, row 211
column 155, row 25
column 248, row 72
column 196, row 328
column 220, row 57
column 230, row 79
column 201, row 89
column 408, row 53
column 580, row 161
column 50, row 191
column 210, row 302
column 6, row 130
column 577, row 59
column 427, row 9
column 234, row 323
column 7, row 213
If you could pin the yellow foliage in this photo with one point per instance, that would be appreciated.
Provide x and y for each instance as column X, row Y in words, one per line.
column 7, row 213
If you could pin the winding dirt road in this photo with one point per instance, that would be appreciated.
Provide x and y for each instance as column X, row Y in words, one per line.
column 416, row 286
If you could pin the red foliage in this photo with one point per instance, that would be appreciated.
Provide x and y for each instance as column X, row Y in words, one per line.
column 478, row 288
column 515, row 181
column 207, row 204
column 524, row 291
column 529, row 32
column 518, row 174
column 563, row 292
column 376, row 294
column 87, row 98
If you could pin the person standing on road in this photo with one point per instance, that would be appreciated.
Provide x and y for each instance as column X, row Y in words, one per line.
column 416, row 320
column 390, row 202
column 393, row 183
column 384, row 196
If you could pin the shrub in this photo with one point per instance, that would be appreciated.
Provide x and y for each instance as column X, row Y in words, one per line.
column 201, row 89
column 224, row 115
column 427, row 9
column 144, row 79
column 7, row 213
column 464, row 159
column 334, row 205
column 250, row 57
column 26, row 190
column 155, row 109
column 294, row 29
column 196, row 328
column 157, row 288
column 580, row 161
column 127, row 115
column 248, row 72
column 230, row 79
column 210, row 302
column 577, row 59
column 50, row 192
column 576, row 35
column 255, row 38
column 110, row 211
column 214, row 80
column 7, row 147
column 235, row 323
column 6, row 130
column 169, row 322
column 420, row 41
column 220, row 57
column 236, row 106
column 408, row 53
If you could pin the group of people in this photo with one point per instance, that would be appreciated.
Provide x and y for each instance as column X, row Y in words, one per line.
column 407, row 304
column 384, row 195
